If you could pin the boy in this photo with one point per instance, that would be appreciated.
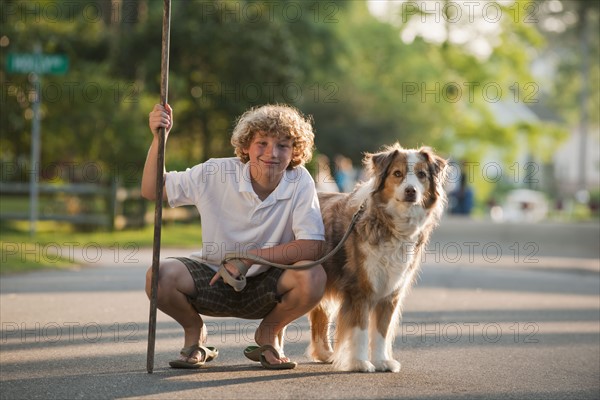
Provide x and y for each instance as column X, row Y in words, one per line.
column 262, row 202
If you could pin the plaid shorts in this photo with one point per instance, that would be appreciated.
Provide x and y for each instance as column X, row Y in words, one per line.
column 257, row 299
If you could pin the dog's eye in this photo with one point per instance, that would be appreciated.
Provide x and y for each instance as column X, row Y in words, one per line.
column 421, row 175
column 397, row 174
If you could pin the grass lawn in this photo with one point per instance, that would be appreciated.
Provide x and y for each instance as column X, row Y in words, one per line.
column 52, row 246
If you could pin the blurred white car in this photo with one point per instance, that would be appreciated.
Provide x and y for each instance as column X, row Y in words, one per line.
column 521, row 205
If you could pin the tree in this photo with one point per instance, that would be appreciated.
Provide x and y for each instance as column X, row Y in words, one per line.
column 86, row 113
column 464, row 62
column 367, row 78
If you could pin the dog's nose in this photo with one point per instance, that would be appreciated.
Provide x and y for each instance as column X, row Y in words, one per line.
column 410, row 194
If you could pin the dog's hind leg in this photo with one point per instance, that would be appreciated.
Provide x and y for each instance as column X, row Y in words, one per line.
column 320, row 346
column 382, row 332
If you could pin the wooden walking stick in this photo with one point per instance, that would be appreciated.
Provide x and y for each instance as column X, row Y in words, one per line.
column 160, row 166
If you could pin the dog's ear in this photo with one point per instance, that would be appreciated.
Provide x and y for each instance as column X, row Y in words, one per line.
column 437, row 176
column 437, row 165
column 378, row 166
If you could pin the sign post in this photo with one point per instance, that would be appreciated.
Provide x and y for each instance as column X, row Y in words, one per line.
column 36, row 64
column 35, row 151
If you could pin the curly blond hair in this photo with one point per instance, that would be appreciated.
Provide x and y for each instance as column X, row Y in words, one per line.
column 278, row 120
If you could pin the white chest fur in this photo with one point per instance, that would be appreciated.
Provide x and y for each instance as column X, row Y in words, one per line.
column 387, row 265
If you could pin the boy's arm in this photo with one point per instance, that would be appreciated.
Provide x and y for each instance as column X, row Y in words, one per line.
column 160, row 117
column 291, row 252
column 149, row 174
column 288, row 253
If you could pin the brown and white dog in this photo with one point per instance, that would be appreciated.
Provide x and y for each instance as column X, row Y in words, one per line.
column 369, row 277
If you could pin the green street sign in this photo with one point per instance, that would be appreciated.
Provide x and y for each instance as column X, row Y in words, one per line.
column 25, row 63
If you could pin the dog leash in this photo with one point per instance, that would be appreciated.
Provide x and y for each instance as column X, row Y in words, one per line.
column 239, row 283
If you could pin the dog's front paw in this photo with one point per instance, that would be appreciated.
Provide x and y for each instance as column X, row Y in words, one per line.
column 358, row 366
column 387, row 365
column 363, row 366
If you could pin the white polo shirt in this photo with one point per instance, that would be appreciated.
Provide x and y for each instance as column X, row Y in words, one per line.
column 234, row 219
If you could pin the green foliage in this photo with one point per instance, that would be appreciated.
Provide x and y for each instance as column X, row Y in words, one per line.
column 89, row 114
column 364, row 83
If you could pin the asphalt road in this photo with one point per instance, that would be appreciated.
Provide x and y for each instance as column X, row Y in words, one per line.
column 510, row 312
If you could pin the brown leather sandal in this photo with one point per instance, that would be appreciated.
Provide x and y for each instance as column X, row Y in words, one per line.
column 187, row 361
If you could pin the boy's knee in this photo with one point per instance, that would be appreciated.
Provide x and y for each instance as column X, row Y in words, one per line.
column 320, row 280
column 162, row 271
column 172, row 276
column 319, row 277
column 313, row 282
